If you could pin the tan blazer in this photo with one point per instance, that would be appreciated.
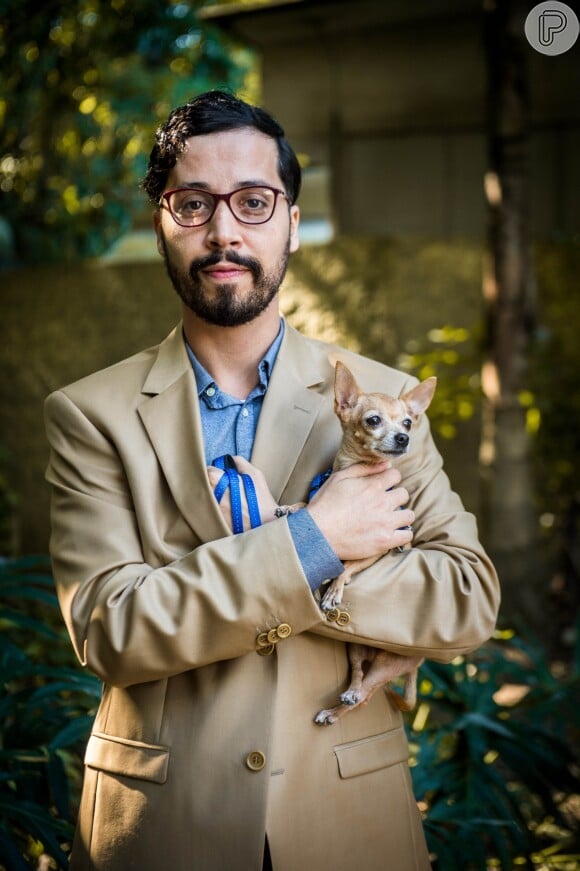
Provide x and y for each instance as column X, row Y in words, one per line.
column 201, row 745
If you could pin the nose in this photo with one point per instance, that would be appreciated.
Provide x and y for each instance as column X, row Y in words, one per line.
column 401, row 439
column 223, row 230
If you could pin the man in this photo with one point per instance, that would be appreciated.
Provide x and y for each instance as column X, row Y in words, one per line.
column 204, row 755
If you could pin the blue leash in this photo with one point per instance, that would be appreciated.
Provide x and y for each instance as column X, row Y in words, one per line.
column 231, row 479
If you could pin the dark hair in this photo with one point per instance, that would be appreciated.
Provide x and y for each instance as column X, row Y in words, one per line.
column 214, row 112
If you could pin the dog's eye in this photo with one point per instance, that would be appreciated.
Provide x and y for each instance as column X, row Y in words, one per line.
column 407, row 423
column 373, row 420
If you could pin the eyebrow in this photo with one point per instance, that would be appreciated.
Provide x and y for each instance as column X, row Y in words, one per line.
column 249, row 183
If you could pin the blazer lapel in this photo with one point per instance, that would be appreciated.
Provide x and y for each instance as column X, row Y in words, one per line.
column 290, row 409
column 170, row 414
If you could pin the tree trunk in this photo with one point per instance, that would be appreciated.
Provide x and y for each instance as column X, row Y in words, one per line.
column 510, row 525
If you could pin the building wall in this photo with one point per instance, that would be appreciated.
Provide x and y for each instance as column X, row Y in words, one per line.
column 395, row 112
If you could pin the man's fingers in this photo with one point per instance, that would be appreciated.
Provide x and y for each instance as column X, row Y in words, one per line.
column 361, row 470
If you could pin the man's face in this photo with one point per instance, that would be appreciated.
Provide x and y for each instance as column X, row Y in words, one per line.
column 226, row 272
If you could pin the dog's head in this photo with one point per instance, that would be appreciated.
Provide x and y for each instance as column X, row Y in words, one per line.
column 377, row 426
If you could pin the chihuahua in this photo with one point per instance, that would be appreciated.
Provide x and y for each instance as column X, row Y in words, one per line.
column 375, row 426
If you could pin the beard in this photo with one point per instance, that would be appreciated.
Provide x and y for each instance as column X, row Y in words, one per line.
column 225, row 307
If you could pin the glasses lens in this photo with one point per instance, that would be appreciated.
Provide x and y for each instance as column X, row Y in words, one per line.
column 191, row 207
column 253, row 205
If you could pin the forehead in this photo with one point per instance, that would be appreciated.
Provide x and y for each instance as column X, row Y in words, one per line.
column 221, row 161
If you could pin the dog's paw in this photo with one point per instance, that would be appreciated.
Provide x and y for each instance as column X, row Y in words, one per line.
column 350, row 697
column 331, row 599
column 325, row 718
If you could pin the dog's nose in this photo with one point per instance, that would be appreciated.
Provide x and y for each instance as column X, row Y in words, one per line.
column 402, row 439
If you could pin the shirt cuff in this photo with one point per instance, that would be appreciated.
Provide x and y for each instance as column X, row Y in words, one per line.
column 319, row 561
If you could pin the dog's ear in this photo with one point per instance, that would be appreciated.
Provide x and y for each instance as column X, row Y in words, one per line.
column 346, row 392
column 419, row 398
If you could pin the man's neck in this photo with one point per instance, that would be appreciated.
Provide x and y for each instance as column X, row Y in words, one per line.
column 231, row 354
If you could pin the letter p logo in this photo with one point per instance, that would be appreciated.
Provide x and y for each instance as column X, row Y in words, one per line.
column 552, row 27
column 550, row 23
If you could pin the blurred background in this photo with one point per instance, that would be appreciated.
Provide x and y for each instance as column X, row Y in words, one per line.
column 440, row 233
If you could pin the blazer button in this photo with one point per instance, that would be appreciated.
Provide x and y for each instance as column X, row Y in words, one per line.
column 273, row 636
column 266, row 649
column 343, row 618
column 255, row 760
column 332, row 615
column 284, row 630
column 262, row 639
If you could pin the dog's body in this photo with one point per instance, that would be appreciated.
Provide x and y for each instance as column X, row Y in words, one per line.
column 375, row 427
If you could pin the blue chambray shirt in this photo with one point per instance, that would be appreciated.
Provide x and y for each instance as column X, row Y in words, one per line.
column 229, row 427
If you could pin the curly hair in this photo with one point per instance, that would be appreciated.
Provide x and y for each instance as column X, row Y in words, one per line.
column 214, row 112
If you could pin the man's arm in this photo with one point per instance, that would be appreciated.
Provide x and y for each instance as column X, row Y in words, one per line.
column 438, row 599
column 131, row 621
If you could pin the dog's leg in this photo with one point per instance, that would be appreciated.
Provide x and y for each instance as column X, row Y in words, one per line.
column 357, row 655
column 408, row 700
column 388, row 666
column 333, row 595
column 384, row 668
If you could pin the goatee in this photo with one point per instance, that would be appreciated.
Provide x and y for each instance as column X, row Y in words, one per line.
column 224, row 307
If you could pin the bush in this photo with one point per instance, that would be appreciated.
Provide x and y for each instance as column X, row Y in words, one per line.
column 47, row 705
column 495, row 764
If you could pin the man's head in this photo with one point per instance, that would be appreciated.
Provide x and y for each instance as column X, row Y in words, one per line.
column 216, row 112
column 224, row 180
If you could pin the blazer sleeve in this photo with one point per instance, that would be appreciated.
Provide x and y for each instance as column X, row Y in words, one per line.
column 131, row 622
column 441, row 597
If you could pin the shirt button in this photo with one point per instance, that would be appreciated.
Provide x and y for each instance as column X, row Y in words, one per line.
column 245, row 412
column 255, row 760
column 210, row 391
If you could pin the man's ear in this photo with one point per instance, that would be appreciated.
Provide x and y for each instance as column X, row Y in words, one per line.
column 294, row 222
column 158, row 232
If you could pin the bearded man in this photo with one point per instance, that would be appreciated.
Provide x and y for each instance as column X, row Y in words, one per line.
column 204, row 755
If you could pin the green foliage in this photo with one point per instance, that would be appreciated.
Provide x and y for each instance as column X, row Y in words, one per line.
column 450, row 353
column 46, row 709
column 493, row 736
column 555, row 362
column 492, row 739
column 83, row 85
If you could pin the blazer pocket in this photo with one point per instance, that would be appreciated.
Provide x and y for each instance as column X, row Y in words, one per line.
column 370, row 754
column 128, row 758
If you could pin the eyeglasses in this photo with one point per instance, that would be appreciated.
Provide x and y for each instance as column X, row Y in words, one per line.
column 191, row 207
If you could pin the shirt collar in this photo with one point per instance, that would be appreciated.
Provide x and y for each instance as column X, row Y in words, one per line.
column 204, row 380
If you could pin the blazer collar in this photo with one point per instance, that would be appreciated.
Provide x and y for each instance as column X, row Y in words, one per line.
column 291, row 407
column 170, row 414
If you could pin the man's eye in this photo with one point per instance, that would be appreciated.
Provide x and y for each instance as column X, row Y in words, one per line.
column 373, row 420
column 253, row 204
column 192, row 206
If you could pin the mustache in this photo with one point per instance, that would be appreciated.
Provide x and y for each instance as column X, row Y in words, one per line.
column 201, row 263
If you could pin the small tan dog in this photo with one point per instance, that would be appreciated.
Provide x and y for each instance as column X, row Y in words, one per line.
column 375, row 427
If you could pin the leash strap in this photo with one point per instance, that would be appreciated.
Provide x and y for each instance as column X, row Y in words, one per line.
column 231, row 479
column 317, row 482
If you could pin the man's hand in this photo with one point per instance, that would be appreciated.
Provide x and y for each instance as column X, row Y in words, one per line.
column 266, row 502
column 358, row 511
